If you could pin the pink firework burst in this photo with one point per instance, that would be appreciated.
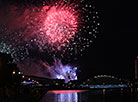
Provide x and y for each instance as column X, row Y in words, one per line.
column 60, row 24
column 60, row 28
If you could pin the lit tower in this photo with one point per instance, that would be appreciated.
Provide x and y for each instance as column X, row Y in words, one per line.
column 136, row 68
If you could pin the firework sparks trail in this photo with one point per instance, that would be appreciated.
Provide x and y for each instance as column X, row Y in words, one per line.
column 61, row 29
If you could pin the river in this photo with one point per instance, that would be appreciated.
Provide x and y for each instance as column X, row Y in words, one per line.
column 90, row 96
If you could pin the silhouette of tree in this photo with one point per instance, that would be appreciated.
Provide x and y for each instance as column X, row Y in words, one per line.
column 6, row 69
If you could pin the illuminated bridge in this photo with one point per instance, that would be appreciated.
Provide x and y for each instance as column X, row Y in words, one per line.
column 97, row 82
column 104, row 81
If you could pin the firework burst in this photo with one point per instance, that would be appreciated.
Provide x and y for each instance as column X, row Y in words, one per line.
column 60, row 71
column 61, row 29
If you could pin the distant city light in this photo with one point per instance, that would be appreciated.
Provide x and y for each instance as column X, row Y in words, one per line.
column 13, row 72
column 23, row 76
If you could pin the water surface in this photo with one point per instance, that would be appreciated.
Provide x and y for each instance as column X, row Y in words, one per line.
column 89, row 96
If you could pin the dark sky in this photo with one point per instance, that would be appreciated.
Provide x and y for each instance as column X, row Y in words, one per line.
column 115, row 48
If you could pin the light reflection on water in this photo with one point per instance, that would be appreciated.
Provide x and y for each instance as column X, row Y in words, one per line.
column 72, row 97
column 61, row 96
column 90, row 96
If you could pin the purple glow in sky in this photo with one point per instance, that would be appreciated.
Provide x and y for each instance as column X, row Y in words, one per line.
column 60, row 71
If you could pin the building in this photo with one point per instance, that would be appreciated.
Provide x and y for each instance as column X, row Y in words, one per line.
column 136, row 68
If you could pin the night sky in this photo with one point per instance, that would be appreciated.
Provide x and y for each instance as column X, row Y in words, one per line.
column 115, row 48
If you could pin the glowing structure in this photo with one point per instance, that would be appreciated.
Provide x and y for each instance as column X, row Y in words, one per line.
column 60, row 71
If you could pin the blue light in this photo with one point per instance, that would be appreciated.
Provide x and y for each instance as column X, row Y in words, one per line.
column 28, row 83
column 104, row 86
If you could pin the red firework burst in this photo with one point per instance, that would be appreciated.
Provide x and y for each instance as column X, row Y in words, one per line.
column 60, row 24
